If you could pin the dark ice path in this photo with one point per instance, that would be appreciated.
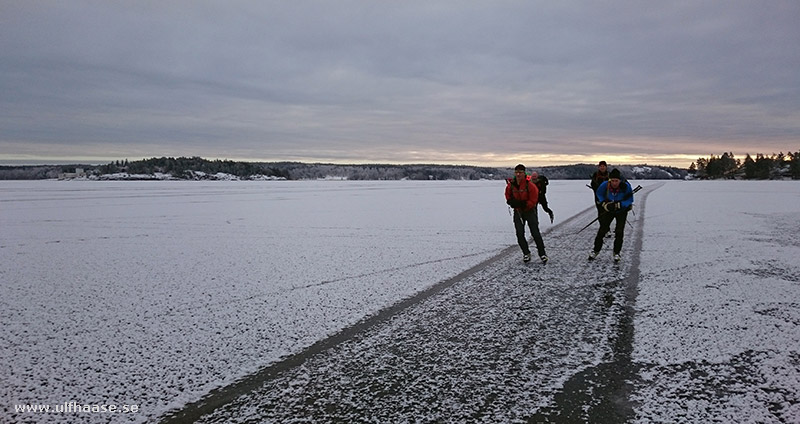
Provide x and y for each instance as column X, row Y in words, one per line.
column 501, row 342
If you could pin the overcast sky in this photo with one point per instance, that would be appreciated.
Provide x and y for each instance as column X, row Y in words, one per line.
column 460, row 82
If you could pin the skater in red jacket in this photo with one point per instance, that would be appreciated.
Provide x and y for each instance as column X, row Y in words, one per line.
column 523, row 196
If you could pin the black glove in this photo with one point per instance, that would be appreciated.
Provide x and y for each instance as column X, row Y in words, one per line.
column 610, row 206
column 550, row 212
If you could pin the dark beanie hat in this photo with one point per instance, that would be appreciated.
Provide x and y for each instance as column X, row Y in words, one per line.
column 602, row 162
column 615, row 174
column 520, row 167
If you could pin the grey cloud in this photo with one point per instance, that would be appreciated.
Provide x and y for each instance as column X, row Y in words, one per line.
column 383, row 78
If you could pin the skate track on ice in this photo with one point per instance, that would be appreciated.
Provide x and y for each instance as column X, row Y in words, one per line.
column 502, row 341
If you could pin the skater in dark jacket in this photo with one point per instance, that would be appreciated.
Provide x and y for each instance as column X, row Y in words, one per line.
column 599, row 177
column 523, row 196
column 616, row 199
column 541, row 182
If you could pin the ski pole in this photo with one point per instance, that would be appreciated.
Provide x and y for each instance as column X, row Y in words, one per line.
column 593, row 221
column 638, row 187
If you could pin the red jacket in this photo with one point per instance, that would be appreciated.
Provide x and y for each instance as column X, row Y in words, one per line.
column 527, row 192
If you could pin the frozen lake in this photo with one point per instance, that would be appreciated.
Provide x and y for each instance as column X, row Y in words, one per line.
column 155, row 293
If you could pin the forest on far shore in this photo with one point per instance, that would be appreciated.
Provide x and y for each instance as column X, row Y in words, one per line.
column 763, row 167
column 195, row 168
column 775, row 166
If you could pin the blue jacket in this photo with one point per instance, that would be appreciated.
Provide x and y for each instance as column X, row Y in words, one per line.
column 624, row 195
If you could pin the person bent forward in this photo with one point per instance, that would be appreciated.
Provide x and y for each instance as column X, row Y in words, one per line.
column 522, row 195
column 616, row 199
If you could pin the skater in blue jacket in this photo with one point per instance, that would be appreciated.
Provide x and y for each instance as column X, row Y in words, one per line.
column 615, row 196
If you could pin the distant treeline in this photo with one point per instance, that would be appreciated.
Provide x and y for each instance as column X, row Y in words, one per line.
column 776, row 166
column 634, row 172
column 182, row 167
column 293, row 170
column 31, row 172
column 306, row 171
column 189, row 167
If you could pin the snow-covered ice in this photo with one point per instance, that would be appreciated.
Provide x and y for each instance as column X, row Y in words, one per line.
column 155, row 293
column 718, row 311
column 152, row 293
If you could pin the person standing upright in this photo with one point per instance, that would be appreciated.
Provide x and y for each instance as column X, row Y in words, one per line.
column 616, row 199
column 523, row 196
column 600, row 176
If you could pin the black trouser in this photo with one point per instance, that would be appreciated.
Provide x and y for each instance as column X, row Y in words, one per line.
column 605, row 226
column 532, row 218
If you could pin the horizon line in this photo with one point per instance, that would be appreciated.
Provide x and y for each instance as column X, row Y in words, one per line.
column 679, row 161
column 57, row 162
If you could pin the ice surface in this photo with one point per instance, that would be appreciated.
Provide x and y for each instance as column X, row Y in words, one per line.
column 154, row 293
column 718, row 311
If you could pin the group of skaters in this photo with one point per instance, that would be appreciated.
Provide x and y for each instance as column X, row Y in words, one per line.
column 613, row 197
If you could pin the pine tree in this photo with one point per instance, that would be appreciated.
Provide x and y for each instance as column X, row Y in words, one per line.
column 749, row 167
column 794, row 165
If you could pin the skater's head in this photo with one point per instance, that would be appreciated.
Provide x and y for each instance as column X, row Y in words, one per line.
column 614, row 178
column 602, row 166
column 534, row 175
column 519, row 173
